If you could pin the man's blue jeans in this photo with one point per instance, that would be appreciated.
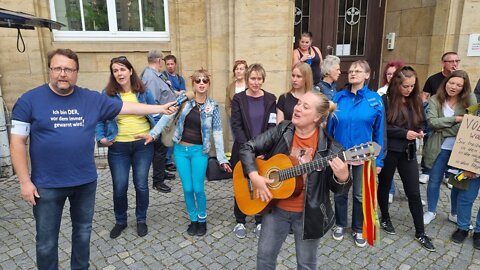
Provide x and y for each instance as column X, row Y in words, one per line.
column 436, row 176
column 122, row 155
column 276, row 225
column 341, row 203
column 191, row 167
column 465, row 201
column 48, row 216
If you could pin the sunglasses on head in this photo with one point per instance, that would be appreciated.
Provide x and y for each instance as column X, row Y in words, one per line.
column 118, row 59
column 204, row 80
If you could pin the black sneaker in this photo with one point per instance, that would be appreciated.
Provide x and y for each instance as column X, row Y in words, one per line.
column 425, row 241
column 202, row 228
column 459, row 236
column 117, row 230
column 387, row 226
column 169, row 176
column 142, row 229
column 476, row 240
column 162, row 187
column 171, row 168
column 192, row 228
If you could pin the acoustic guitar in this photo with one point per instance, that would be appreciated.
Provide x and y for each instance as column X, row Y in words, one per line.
column 281, row 170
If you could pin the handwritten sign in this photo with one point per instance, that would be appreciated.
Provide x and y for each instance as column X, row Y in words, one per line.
column 466, row 151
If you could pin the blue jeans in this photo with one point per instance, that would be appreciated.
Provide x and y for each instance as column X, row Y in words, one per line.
column 122, row 155
column 392, row 188
column 191, row 167
column 465, row 201
column 276, row 225
column 48, row 216
column 169, row 156
column 436, row 176
column 341, row 203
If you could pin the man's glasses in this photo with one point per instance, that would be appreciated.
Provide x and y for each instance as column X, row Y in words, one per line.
column 204, row 80
column 452, row 61
column 58, row 70
column 119, row 59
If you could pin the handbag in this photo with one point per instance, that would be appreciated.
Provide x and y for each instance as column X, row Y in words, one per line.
column 168, row 131
column 215, row 171
column 453, row 180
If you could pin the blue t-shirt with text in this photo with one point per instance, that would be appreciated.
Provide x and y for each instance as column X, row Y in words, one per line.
column 62, row 133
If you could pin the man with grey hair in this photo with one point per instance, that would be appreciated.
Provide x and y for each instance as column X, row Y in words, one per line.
column 155, row 80
column 330, row 72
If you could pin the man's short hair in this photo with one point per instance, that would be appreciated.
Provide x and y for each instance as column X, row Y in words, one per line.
column 64, row 52
column 154, row 55
column 170, row 57
column 447, row 53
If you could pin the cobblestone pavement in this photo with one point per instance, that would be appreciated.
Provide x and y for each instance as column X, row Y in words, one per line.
column 167, row 246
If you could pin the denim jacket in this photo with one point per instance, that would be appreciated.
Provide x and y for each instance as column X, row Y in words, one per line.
column 109, row 129
column 210, row 121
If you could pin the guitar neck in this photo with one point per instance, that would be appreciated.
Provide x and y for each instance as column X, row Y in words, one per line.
column 308, row 167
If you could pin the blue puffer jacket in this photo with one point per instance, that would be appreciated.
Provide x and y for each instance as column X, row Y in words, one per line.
column 109, row 129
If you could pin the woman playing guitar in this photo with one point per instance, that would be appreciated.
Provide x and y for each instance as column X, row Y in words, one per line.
column 310, row 213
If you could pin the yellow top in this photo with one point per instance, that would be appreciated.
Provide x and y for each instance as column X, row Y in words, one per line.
column 131, row 125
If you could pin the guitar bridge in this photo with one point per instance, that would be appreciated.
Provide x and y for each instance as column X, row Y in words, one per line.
column 250, row 189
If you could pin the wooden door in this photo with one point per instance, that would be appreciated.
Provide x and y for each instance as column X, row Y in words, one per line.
column 349, row 29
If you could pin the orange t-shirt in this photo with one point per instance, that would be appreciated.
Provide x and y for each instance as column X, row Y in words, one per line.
column 303, row 150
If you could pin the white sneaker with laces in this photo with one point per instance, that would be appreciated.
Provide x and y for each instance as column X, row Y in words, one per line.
column 428, row 217
column 338, row 233
column 258, row 230
column 359, row 241
column 423, row 178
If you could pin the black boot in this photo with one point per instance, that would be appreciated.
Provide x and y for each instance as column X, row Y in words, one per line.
column 202, row 228
column 192, row 228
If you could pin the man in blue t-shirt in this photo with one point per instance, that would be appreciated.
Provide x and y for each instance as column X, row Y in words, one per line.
column 60, row 119
column 175, row 81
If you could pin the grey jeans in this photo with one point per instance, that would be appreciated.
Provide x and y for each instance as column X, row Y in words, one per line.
column 275, row 228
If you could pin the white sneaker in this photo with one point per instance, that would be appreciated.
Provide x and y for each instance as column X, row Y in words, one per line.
column 240, row 230
column 338, row 233
column 452, row 218
column 428, row 217
column 423, row 178
column 390, row 198
column 359, row 241
column 258, row 230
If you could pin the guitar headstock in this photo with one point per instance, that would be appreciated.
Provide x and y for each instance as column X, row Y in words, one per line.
column 362, row 152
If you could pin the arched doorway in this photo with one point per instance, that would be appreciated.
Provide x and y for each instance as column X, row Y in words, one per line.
column 350, row 29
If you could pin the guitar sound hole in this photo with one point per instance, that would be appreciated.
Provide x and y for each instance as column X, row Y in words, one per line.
column 274, row 175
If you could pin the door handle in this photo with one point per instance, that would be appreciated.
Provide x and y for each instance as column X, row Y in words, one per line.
column 330, row 50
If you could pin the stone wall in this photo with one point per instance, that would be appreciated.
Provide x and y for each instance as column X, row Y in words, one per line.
column 425, row 29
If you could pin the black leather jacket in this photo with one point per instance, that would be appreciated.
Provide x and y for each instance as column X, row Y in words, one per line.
column 318, row 216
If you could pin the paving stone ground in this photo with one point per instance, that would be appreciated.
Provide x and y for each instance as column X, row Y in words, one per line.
column 167, row 245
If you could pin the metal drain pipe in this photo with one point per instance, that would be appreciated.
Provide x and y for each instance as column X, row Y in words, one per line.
column 6, row 169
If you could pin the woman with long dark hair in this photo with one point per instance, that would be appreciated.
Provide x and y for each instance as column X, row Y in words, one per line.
column 404, row 118
column 125, row 151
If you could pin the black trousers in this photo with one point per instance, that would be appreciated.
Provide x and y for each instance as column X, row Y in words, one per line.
column 158, row 162
column 240, row 216
column 408, row 170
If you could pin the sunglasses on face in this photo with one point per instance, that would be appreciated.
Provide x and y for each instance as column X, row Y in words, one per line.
column 204, row 80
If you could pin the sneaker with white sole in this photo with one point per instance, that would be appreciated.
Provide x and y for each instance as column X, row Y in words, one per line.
column 338, row 233
column 240, row 230
column 423, row 179
column 358, row 238
column 258, row 230
column 390, row 198
column 452, row 218
column 428, row 217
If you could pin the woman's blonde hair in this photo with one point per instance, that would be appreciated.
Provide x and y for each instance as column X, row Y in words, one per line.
column 325, row 106
column 306, row 72
column 199, row 73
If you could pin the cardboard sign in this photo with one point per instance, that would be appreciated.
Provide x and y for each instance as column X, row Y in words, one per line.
column 466, row 151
